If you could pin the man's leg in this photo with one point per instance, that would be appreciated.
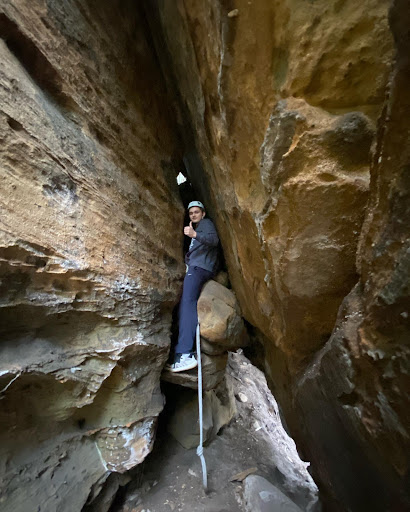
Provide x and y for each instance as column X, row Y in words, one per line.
column 194, row 280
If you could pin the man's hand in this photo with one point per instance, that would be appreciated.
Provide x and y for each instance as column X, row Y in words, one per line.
column 189, row 231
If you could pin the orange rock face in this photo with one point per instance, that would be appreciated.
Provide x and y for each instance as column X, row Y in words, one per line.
column 283, row 99
column 362, row 374
column 277, row 104
column 287, row 178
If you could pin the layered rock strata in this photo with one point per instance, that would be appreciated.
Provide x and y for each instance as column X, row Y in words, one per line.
column 89, row 248
column 279, row 102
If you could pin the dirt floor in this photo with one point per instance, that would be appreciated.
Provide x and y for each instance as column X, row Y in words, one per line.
column 170, row 479
column 172, row 476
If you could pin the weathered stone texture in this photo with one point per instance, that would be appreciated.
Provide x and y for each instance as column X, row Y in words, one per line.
column 90, row 257
column 279, row 105
column 283, row 98
column 261, row 496
column 218, row 410
column 220, row 318
column 287, row 180
column 260, row 414
column 362, row 374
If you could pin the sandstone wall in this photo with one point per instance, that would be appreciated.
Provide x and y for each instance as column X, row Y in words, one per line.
column 285, row 150
column 361, row 377
column 283, row 99
column 90, row 256
column 278, row 103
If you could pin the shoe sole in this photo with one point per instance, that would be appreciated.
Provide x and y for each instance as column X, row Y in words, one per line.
column 185, row 368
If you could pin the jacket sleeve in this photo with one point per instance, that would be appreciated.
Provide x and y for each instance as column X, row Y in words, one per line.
column 208, row 234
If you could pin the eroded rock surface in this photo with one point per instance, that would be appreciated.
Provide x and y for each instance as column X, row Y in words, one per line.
column 279, row 102
column 283, row 98
column 253, row 442
column 220, row 318
column 260, row 416
column 261, row 496
column 285, row 152
column 362, row 373
column 218, row 410
column 89, row 269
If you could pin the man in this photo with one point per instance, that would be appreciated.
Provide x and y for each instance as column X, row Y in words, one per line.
column 201, row 260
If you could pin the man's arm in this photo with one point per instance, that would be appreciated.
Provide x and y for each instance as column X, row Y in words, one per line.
column 208, row 234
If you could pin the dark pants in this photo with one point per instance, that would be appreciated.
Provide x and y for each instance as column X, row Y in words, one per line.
column 194, row 280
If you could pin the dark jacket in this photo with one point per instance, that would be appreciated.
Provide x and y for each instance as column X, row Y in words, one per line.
column 203, row 250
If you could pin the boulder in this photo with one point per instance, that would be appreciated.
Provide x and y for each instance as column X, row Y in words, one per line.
column 212, row 349
column 219, row 317
column 261, row 496
column 259, row 414
column 184, row 422
column 218, row 410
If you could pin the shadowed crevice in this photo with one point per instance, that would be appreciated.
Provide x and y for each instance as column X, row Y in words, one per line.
column 34, row 62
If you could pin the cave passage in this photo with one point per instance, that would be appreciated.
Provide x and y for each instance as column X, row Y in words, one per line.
column 243, row 436
column 291, row 126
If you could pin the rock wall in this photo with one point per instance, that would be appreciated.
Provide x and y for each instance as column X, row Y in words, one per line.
column 277, row 103
column 90, row 257
column 361, row 376
column 284, row 151
column 282, row 100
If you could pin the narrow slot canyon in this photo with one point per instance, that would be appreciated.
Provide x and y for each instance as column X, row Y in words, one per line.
column 290, row 121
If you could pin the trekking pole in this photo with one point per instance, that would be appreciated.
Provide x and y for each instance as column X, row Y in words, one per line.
column 199, row 450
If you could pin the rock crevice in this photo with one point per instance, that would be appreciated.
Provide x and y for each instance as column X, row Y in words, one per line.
column 280, row 115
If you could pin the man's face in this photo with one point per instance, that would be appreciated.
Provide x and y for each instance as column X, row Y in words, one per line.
column 196, row 214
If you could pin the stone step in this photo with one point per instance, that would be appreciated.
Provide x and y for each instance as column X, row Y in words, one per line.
column 213, row 371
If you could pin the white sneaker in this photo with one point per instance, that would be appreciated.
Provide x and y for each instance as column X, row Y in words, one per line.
column 183, row 362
